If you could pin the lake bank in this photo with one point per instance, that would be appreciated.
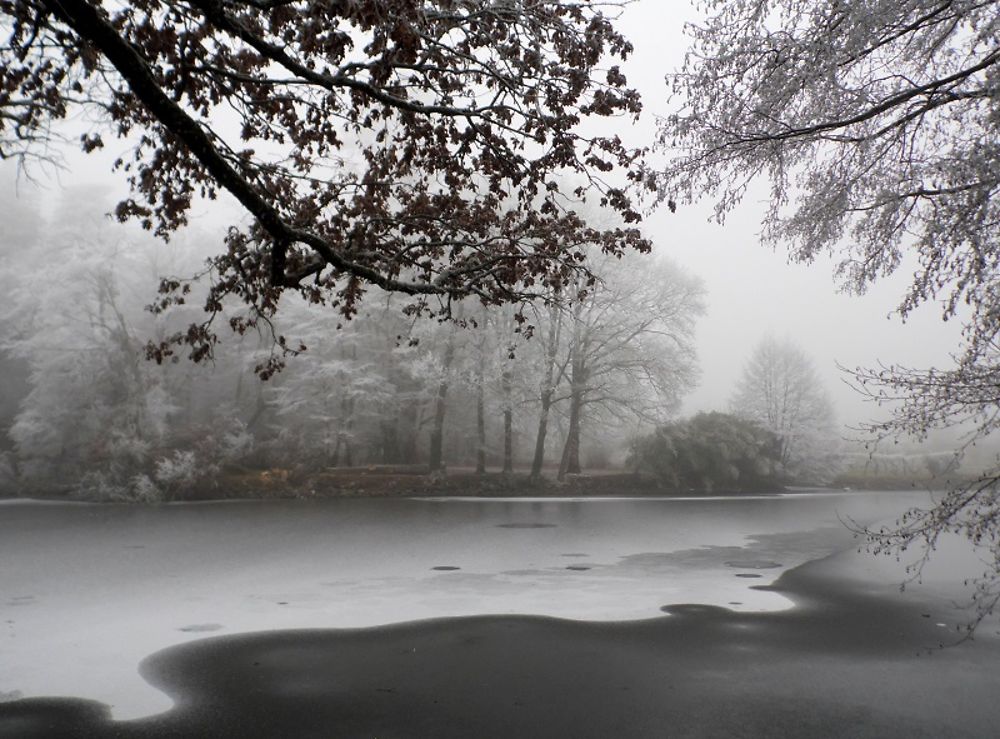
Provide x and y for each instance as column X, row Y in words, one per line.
column 415, row 481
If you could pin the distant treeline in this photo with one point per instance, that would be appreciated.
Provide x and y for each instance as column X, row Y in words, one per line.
column 84, row 412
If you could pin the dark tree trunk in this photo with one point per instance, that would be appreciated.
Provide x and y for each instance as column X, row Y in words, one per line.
column 335, row 457
column 480, row 431
column 437, row 431
column 348, row 432
column 543, row 426
column 413, row 417
column 508, row 423
column 481, row 406
column 390, row 442
column 547, row 388
column 435, row 462
column 570, row 464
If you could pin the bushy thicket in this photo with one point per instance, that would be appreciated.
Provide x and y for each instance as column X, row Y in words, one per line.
column 711, row 452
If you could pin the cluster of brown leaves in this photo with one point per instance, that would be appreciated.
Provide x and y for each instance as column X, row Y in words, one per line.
column 422, row 146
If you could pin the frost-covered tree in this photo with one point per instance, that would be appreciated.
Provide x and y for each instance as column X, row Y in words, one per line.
column 93, row 402
column 780, row 391
column 96, row 417
column 877, row 125
column 629, row 348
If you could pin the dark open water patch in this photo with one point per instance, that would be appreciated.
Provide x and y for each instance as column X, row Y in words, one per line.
column 445, row 568
column 747, row 574
column 526, row 525
column 702, row 671
column 578, row 568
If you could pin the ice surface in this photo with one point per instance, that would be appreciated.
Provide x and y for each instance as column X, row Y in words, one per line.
column 86, row 592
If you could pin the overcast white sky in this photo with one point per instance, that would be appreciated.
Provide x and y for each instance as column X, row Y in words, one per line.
column 752, row 290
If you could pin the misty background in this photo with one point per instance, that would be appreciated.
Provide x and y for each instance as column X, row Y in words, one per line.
column 83, row 270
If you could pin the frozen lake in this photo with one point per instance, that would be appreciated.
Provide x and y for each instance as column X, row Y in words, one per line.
column 88, row 591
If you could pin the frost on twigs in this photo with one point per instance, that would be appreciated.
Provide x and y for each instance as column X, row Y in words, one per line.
column 877, row 127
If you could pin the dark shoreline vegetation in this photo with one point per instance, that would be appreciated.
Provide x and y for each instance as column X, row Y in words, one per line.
column 401, row 481
column 699, row 671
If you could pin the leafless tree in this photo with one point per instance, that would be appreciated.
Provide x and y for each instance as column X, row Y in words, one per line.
column 780, row 390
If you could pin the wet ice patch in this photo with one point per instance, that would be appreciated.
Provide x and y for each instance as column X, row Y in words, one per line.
column 526, row 525
column 752, row 564
column 694, row 609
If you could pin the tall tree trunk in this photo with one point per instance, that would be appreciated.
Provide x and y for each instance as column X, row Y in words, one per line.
column 412, row 415
column 508, row 422
column 348, row 410
column 543, row 427
column 390, row 441
column 440, row 405
column 547, row 388
column 480, row 430
column 481, row 403
column 570, row 463
column 347, row 414
column 437, row 431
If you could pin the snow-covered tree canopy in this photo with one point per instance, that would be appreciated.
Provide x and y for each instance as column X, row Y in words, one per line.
column 780, row 391
column 877, row 125
column 410, row 144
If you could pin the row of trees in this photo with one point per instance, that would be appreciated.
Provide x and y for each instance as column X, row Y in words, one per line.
column 384, row 388
column 602, row 363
